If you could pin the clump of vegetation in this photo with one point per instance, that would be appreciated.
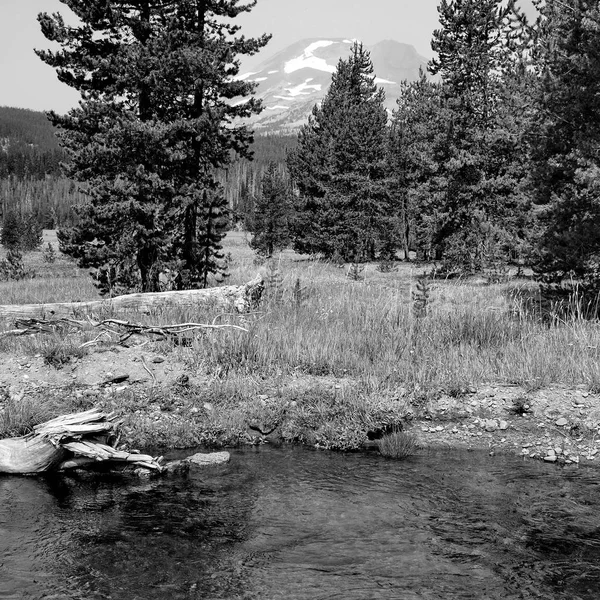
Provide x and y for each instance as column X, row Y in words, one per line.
column 521, row 406
column 387, row 265
column 21, row 232
column 21, row 413
column 421, row 297
column 270, row 226
column 58, row 352
column 49, row 254
column 12, row 268
column 299, row 294
column 355, row 271
column 398, row 445
column 273, row 292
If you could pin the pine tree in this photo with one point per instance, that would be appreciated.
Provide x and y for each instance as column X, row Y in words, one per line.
column 32, row 233
column 11, row 231
column 156, row 121
column 481, row 204
column 272, row 213
column 339, row 166
column 565, row 137
column 418, row 141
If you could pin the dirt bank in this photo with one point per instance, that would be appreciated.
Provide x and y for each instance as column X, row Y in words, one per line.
column 163, row 402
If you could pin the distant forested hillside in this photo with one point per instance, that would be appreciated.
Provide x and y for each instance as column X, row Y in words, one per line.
column 28, row 144
column 30, row 174
column 31, row 179
column 242, row 180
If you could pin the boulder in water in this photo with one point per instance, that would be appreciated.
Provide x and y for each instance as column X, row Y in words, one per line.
column 212, row 458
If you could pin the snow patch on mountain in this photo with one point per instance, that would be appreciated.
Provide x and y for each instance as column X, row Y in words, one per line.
column 307, row 60
column 377, row 80
column 293, row 80
column 245, row 76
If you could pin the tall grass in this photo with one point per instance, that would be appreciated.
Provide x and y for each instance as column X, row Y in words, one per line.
column 367, row 330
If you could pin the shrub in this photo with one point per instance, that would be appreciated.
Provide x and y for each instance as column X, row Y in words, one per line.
column 21, row 414
column 399, row 445
column 12, row 267
column 21, row 232
column 420, row 297
column 49, row 254
column 31, row 232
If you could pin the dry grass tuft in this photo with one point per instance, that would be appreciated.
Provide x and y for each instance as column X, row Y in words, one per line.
column 398, row 445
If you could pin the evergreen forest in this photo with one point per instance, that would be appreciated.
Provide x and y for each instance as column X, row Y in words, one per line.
column 489, row 161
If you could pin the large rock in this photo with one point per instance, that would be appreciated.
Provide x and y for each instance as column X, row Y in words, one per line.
column 212, row 458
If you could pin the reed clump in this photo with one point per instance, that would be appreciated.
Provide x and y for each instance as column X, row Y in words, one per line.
column 19, row 414
column 398, row 445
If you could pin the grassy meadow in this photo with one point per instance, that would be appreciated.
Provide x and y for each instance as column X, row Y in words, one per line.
column 331, row 357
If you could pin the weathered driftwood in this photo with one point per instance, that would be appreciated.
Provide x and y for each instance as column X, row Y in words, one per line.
column 241, row 298
column 67, row 442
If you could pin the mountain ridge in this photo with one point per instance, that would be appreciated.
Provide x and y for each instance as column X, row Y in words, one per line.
column 296, row 78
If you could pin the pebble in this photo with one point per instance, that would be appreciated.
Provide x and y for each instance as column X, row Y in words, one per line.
column 561, row 422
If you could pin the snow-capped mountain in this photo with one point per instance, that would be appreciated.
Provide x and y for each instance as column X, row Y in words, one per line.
column 297, row 78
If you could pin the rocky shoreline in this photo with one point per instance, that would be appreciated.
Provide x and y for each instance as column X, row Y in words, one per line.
column 557, row 425
column 161, row 403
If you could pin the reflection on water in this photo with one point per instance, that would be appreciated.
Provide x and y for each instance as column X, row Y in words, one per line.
column 298, row 524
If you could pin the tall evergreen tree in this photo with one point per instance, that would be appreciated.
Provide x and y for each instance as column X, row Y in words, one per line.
column 418, row 142
column 157, row 80
column 480, row 188
column 565, row 139
column 272, row 217
column 339, row 166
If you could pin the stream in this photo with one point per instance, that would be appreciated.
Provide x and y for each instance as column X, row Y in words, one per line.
column 297, row 524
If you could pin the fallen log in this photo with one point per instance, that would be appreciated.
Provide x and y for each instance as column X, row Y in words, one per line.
column 84, row 441
column 70, row 441
column 240, row 298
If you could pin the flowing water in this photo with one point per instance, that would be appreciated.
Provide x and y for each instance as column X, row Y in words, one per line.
column 299, row 524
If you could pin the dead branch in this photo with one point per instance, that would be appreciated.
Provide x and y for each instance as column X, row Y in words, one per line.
column 123, row 329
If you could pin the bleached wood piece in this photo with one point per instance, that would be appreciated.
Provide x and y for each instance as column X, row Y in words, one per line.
column 69, row 441
column 240, row 298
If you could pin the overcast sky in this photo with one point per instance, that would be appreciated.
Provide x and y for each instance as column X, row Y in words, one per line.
column 26, row 82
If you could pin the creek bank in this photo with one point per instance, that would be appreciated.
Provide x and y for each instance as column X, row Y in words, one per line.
column 165, row 403
column 557, row 425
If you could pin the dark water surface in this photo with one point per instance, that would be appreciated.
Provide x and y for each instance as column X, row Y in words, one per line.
column 299, row 524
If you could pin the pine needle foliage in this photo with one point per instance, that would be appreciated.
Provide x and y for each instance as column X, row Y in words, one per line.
column 564, row 139
column 161, row 112
column 421, row 297
column 272, row 216
column 339, row 169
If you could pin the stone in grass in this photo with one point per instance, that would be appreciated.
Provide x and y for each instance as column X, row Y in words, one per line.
column 491, row 425
column 561, row 422
column 212, row 458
